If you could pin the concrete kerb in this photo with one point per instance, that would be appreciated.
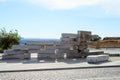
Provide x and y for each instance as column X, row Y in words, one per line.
column 28, row 70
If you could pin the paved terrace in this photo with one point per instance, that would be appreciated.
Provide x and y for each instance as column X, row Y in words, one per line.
column 34, row 64
column 72, row 74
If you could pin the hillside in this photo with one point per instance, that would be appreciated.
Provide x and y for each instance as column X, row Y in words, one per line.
column 104, row 44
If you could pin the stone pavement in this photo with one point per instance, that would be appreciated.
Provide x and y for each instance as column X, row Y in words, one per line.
column 34, row 64
column 71, row 74
column 62, row 69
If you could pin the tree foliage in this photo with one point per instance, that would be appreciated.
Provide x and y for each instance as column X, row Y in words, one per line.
column 95, row 38
column 7, row 39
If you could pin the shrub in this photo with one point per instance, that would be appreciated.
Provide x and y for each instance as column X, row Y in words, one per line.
column 7, row 39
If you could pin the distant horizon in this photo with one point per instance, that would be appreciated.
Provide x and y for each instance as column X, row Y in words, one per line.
column 40, row 38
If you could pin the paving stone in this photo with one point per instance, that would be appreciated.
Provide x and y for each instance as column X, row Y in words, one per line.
column 73, row 74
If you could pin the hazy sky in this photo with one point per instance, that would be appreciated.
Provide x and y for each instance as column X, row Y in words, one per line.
column 50, row 18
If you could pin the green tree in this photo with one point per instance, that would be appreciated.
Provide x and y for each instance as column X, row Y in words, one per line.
column 7, row 39
column 95, row 38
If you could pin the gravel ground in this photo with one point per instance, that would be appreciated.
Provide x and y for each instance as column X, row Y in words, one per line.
column 73, row 74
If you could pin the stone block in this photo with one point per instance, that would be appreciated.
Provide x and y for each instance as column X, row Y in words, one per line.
column 60, row 55
column 33, row 51
column 16, row 56
column 72, row 51
column 15, row 51
column 42, row 42
column 97, row 58
column 63, row 47
column 20, row 47
column 69, row 35
column 50, row 47
column 68, row 42
column 46, row 56
column 9, row 52
column 73, row 54
column 47, row 51
column 66, row 39
column 34, row 47
column 62, row 51
column 69, row 53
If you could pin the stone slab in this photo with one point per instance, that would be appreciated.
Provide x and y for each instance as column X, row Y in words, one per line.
column 50, row 47
column 9, row 51
column 69, row 35
column 97, row 58
column 42, row 42
column 20, row 47
column 34, row 51
column 66, row 46
column 34, row 47
column 15, row 51
column 46, row 56
column 60, row 55
column 73, row 54
column 66, row 39
column 47, row 51
column 16, row 56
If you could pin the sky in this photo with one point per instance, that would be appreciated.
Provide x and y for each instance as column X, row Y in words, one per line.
column 50, row 18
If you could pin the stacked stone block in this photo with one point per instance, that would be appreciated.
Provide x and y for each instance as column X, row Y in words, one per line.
column 68, row 44
column 17, row 52
column 45, row 49
column 73, row 45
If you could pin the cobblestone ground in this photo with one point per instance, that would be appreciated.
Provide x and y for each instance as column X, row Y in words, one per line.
column 73, row 74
